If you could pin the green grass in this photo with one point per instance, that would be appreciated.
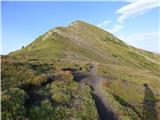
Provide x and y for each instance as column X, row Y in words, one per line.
column 89, row 44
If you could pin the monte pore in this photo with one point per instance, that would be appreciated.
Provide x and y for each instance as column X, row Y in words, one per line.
column 80, row 72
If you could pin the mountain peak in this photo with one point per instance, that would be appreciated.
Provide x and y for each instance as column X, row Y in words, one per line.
column 80, row 40
column 78, row 23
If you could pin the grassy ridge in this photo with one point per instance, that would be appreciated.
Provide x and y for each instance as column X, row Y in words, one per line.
column 82, row 41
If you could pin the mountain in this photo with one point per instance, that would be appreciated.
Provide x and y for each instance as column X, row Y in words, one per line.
column 82, row 41
column 123, row 80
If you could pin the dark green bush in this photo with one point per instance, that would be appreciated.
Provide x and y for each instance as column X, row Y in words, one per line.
column 61, row 97
column 38, row 80
column 43, row 112
column 13, row 106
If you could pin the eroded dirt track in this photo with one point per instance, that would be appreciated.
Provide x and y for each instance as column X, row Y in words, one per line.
column 104, row 110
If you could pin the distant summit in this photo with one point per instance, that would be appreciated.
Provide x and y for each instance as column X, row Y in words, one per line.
column 83, row 41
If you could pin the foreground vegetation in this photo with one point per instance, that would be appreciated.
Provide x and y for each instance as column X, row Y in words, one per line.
column 37, row 90
column 29, row 93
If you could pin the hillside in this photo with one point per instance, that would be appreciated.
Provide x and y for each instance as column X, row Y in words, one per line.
column 80, row 72
column 82, row 41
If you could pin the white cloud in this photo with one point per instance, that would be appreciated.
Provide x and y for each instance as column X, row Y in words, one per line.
column 148, row 41
column 136, row 8
column 105, row 23
column 116, row 28
column 141, row 37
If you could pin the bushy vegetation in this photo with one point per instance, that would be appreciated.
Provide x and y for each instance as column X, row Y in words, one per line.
column 43, row 112
column 40, row 91
column 15, row 74
column 13, row 104
column 61, row 97
column 66, row 92
column 64, row 76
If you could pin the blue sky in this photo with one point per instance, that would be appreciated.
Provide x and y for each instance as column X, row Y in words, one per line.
column 134, row 22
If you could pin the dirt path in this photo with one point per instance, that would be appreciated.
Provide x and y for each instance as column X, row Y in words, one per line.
column 104, row 110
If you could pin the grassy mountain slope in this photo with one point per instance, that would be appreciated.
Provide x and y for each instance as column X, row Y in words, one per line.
column 128, row 77
column 82, row 41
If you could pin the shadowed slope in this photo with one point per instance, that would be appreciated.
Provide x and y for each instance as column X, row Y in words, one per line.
column 149, row 104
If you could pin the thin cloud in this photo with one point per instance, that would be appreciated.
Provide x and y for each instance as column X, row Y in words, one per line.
column 148, row 41
column 105, row 23
column 136, row 8
column 149, row 36
column 116, row 28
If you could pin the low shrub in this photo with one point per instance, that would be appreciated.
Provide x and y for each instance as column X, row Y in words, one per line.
column 64, row 76
column 38, row 80
column 61, row 98
column 13, row 106
column 43, row 112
